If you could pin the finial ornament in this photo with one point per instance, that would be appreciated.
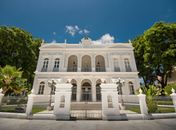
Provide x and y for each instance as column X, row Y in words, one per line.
column 173, row 90
column 140, row 91
column 32, row 91
column 0, row 90
column 103, row 80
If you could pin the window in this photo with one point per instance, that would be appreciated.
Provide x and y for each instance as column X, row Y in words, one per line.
column 56, row 65
column 131, row 87
column 110, row 104
column 62, row 102
column 45, row 65
column 127, row 65
column 116, row 65
column 41, row 88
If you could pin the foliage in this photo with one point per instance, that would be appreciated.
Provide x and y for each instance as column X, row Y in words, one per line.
column 18, row 48
column 11, row 80
column 169, row 87
column 150, row 93
column 155, row 53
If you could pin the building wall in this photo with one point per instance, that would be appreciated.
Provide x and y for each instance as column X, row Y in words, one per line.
column 110, row 52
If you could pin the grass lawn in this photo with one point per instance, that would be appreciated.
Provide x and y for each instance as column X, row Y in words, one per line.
column 133, row 108
column 160, row 109
column 37, row 109
column 12, row 108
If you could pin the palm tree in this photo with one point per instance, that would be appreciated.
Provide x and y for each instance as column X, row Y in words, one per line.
column 11, row 80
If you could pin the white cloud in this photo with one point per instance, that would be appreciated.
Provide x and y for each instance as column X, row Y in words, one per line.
column 53, row 41
column 73, row 30
column 54, row 33
column 105, row 39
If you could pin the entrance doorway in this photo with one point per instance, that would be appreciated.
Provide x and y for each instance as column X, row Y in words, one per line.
column 86, row 92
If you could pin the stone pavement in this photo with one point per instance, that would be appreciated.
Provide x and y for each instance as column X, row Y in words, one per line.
column 22, row 124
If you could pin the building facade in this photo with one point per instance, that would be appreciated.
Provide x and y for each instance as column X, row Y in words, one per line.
column 86, row 64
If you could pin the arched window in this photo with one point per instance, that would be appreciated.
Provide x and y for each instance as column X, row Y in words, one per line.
column 127, row 65
column 56, row 65
column 110, row 104
column 98, row 90
column 131, row 87
column 41, row 88
column 100, row 63
column 74, row 89
column 116, row 65
column 45, row 65
column 72, row 64
column 86, row 64
column 62, row 102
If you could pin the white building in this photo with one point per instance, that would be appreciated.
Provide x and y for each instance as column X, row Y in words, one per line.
column 85, row 64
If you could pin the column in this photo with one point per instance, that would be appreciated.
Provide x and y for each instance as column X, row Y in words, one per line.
column 122, row 64
column 66, row 62
column 133, row 62
column 110, row 103
column 50, row 64
column 79, row 62
column 78, row 93
column 106, row 63
column 94, row 91
column 62, row 101
column 30, row 103
column 142, row 103
column 1, row 96
column 173, row 95
column 93, row 62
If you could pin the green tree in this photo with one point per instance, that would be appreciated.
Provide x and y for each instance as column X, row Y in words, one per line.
column 155, row 52
column 11, row 80
column 18, row 48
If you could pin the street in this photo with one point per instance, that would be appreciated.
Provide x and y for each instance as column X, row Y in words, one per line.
column 23, row 124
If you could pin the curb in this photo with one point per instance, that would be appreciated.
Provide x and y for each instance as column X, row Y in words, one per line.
column 120, row 117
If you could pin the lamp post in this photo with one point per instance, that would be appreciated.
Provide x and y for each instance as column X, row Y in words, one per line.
column 51, row 84
column 120, row 83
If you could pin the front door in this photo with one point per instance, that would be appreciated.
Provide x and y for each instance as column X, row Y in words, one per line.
column 86, row 92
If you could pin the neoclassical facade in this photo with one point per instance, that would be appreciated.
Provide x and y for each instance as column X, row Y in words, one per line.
column 85, row 64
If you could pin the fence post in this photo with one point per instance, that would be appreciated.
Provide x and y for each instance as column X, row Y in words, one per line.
column 29, row 104
column 173, row 95
column 1, row 96
column 142, row 103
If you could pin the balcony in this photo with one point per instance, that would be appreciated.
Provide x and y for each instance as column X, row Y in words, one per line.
column 55, row 69
column 72, row 69
column 86, row 69
column 100, row 69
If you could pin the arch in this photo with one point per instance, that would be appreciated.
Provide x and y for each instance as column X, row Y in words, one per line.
column 100, row 63
column 56, row 65
column 131, row 87
column 86, row 64
column 62, row 101
column 72, row 63
column 127, row 65
column 74, row 89
column 41, row 88
column 86, row 90
column 98, row 90
column 45, row 65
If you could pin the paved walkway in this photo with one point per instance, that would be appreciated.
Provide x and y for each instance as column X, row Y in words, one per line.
column 22, row 124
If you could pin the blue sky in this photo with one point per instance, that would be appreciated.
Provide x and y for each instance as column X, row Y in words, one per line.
column 56, row 19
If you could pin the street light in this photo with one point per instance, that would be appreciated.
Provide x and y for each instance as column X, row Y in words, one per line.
column 120, row 83
column 51, row 84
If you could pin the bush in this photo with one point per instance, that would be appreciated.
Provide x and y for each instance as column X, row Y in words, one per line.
column 151, row 104
column 169, row 87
